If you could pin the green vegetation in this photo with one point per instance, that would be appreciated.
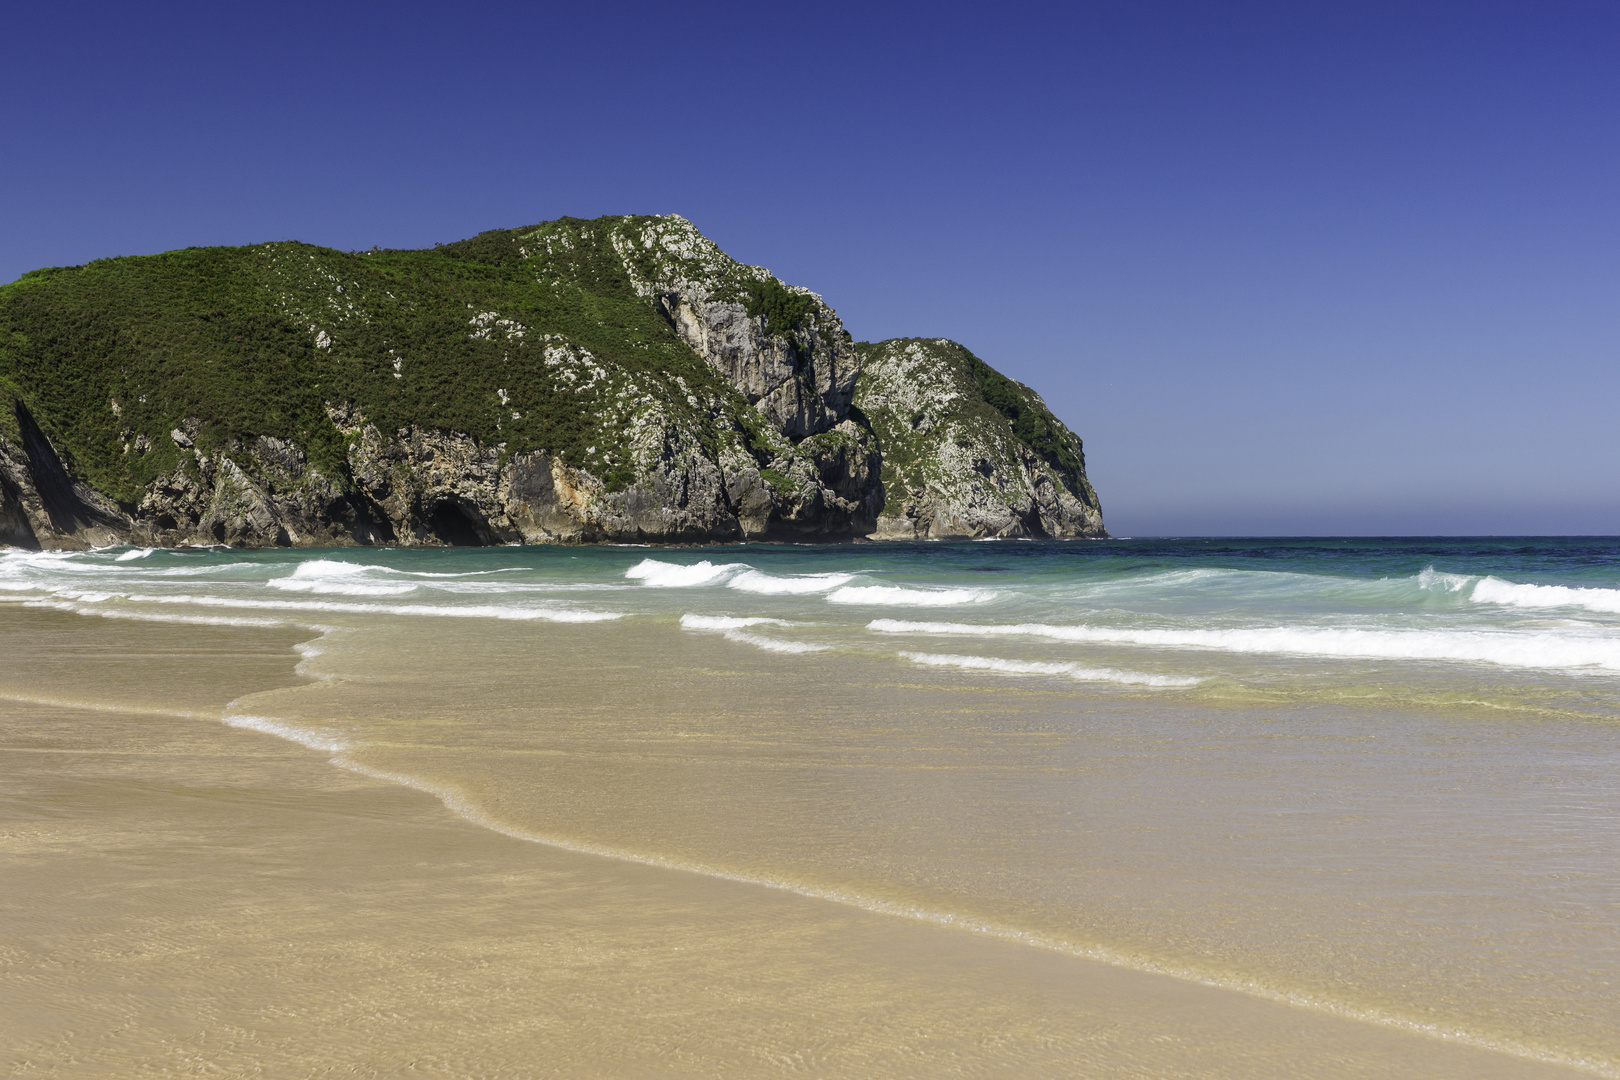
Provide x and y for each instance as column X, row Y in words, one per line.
column 784, row 310
column 1032, row 422
column 531, row 338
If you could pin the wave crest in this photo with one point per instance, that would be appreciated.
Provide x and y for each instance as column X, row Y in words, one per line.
column 755, row 581
column 1491, row 590
column 663, row 575
column 327, row 577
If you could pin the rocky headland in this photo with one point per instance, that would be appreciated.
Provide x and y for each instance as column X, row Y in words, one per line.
column 618, row 379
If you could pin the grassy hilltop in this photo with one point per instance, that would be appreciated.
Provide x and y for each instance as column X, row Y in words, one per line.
column 253, row 340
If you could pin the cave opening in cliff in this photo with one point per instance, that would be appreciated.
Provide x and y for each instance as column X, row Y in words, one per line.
column 455, row 525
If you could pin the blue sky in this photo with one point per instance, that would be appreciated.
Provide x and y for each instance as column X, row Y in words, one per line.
column 1287, row 268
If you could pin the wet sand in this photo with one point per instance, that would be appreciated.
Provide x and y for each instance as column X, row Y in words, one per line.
column 181, row 896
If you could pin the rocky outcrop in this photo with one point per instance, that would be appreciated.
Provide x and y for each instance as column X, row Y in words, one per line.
column 614, row 380
column 968, row 453
column 41, row 504
column 780, row 345
column 414, row 487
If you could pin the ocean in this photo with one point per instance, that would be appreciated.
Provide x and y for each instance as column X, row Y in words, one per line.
column 1362, row 783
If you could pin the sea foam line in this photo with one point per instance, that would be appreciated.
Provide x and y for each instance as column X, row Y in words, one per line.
column 1040, row 667
column 324, row 741
column 774, row 644
column 468, row 611
column 102, row 706
column 899, row 596
column 91, row 608
column 1504, row 647
column 733, row 628
column 727, row 622
column 459, row 804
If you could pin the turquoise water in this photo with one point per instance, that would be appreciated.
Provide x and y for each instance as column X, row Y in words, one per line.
column 1131, row 612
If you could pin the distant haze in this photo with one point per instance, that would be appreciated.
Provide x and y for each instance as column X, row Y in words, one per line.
column 1286, row 268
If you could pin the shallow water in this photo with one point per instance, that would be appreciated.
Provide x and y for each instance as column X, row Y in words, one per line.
column 1367, row 779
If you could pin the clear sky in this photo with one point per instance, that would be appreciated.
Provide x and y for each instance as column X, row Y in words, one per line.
column 1287, row 268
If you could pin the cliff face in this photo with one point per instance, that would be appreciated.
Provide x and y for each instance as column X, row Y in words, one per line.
column 966, row 451
column 620, row 379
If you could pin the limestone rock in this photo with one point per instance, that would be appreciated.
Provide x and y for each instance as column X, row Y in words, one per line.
column 797, row 369
column 968, row 453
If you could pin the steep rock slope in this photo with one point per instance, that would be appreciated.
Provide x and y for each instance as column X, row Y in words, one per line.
column 968, row 452
column 615, row 379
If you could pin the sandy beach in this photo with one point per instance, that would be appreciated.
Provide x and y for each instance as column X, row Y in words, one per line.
column 184, row 897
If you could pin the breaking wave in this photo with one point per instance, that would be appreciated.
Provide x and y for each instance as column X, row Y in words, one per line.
column 663, row 575
column 1492, row 590
column 755, row 581
column 327, row 578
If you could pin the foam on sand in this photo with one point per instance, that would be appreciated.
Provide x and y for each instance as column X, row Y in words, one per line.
column 733, row 629
column 513, row 612
column 1040, row 667
column 725, row 622
column 774, row 644
column 326, row 742
column 91, row 608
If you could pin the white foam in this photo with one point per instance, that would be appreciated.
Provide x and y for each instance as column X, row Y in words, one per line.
column 512, row 612
column 152, row 616
column 724, row 622
column 663, row 575
column 1508, row 648
column 1434, row 580
column 324, row 741
column 131, row 556
column 898, row 596
column 1039, row 667
column 1492, row 590
column 990, row 663
column 774, row 644
column 799, row 584
column 328, row 578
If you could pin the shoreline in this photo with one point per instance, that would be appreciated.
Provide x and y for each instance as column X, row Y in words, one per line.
column 894, row 951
